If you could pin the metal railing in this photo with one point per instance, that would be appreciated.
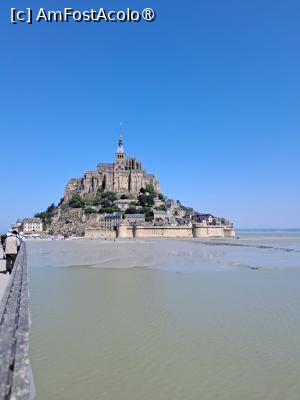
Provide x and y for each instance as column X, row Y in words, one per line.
column 16, row 381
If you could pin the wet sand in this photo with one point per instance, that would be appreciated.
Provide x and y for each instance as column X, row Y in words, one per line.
column 170, row 254
column 166, row 319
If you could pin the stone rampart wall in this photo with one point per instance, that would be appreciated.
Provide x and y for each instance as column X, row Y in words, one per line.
column 229, row 232
column 162, row 231
column 203, row 230
column 99, row 232
column 140, row 231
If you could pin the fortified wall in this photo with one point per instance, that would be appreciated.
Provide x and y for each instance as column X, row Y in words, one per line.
column 163, row 231
column 198, row 230
column 99, row 232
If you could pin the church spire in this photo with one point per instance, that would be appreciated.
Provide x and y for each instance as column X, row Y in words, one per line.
column 120, row 148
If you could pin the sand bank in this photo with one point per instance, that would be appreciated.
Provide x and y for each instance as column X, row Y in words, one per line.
column 168, row 254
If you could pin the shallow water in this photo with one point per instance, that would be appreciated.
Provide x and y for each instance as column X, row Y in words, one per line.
column 206, row 328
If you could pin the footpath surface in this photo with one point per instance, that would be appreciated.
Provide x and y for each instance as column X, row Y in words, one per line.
column 3, row 277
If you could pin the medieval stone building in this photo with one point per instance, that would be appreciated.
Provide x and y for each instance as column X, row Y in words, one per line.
column 125, row 176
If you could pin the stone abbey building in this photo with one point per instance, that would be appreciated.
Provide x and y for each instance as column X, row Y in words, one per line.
column 125, row 175
column 88, row 210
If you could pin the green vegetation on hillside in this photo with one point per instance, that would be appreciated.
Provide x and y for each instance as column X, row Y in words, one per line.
column 90, row 210
column 161, row 197
column 145, row 210
column 148, row 214
column 109, row 210
column 133, row 210
column 104, row 201
column 77, row 201
column 46, row 216
column 147, row 196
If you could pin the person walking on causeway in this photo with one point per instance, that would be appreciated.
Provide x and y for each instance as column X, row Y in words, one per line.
column 11, row 247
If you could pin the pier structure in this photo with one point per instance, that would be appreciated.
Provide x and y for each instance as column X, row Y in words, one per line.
column 15, row 371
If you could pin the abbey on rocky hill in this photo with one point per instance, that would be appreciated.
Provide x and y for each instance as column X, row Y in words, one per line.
column 124, row 176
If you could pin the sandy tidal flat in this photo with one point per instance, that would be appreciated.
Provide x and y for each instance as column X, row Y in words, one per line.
column 169, row 254
column 166, row 319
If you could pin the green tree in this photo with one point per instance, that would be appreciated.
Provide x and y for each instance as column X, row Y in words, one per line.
column 46, row 216
column 102, row 198
column 161, row 197
column 98, row 197
column 150, row 189
column 146, row 199
column 104, row 203
column 76, row 201
column 111, row 196
column 149, row 215
column 109, row 210
column 51, row 208
column 132, row 210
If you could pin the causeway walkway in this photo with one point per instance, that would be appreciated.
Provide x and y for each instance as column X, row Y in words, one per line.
column 3, row 277
column 16, row 380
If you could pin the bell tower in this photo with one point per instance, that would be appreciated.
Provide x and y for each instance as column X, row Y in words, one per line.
column 120, row 156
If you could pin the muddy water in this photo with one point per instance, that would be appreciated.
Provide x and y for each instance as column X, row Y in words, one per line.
column 209, row 328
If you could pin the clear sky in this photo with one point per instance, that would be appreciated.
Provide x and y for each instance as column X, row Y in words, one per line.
column 209, row 97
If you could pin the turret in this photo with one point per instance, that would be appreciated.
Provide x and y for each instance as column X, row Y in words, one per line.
column 122, row 231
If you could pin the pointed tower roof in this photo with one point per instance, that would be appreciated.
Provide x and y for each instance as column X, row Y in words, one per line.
column 120, row 149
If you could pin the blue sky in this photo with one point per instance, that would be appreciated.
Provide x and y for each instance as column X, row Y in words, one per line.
column 208, row 95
